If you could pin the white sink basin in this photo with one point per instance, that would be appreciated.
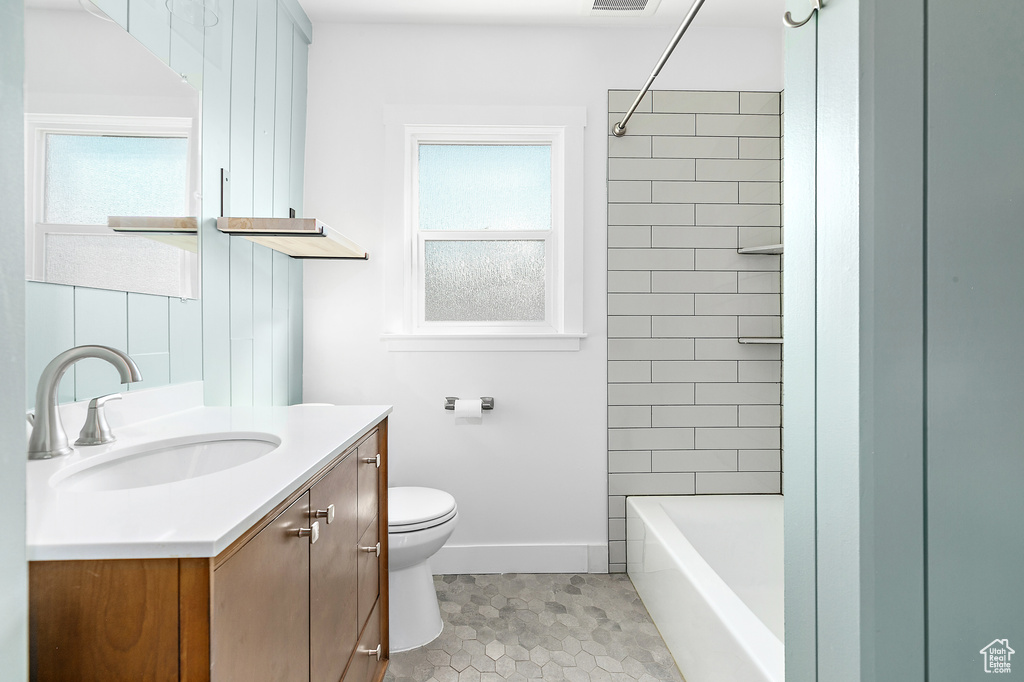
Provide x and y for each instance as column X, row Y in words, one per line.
column 165, row 461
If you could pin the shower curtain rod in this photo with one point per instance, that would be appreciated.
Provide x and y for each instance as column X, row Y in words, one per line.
column 620, row 128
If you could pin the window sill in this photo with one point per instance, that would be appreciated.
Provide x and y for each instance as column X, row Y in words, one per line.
column 482, row 342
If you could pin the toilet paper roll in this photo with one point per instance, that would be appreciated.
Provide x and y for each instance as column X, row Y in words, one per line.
column 469, row 408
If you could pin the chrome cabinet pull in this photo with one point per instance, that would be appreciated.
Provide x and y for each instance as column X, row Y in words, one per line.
column 375, row 549
column 323, row 513
column 374, row 652
column 372, row 460
column 313, row 532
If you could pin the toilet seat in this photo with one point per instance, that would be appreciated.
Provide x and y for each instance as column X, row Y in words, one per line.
column 412, row 508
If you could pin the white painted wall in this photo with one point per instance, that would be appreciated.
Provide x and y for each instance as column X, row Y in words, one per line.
column 75, row 63
column 531, row 479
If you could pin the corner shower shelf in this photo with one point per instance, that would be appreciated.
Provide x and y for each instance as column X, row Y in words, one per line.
column 761, row 339
column 767, row 250
column 182, row 233
column 296, row 237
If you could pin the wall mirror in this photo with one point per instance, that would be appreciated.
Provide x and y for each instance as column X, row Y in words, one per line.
column 112, row 157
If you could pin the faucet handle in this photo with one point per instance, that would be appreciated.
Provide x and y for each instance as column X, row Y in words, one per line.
column 96, row 430
column 103, row 400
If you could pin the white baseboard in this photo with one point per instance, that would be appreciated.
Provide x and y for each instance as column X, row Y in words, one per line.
column 520, row 559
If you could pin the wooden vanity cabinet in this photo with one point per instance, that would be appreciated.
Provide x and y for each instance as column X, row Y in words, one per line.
column 265, row 583
column 273, row 606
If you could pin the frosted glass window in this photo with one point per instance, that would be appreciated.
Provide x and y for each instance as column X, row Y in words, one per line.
column 484, row 187
column 484, row 281
column 90, row 177
column 120, row 262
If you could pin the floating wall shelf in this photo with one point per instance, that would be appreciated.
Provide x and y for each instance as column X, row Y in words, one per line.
column 297, row 237
column 182, row 233
column 760, row 339
column 767, row 250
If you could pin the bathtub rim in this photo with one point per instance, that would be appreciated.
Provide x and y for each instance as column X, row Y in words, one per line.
column 765, row 649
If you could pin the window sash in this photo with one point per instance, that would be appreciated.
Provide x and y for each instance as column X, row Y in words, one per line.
column 547, row 324
column 533, row 144
column 187, row 268
column 182, row 195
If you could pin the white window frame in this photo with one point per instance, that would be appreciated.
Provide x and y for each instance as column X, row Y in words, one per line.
column 560, row 128
column 38, row 126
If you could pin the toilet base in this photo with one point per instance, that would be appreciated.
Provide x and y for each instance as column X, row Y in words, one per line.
column 414, row 614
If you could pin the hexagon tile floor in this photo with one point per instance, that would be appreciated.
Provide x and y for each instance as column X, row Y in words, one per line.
column 517, row 627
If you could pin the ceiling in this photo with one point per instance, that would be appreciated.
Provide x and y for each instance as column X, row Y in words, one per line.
column 733, row 13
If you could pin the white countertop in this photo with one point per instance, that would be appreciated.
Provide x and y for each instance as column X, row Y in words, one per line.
column 198, row 517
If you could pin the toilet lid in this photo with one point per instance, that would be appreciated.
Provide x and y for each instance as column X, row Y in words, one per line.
column 410, row 506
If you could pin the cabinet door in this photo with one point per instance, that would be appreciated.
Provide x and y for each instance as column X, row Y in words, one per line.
column 369, row 465
column 369, row 570
column 260, row 620
column 369, row 656
column 333, row 627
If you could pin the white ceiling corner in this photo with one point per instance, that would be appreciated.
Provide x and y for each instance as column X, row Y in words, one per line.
column 718, row 13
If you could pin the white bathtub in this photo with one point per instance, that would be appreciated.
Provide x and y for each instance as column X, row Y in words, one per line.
column 709, row 569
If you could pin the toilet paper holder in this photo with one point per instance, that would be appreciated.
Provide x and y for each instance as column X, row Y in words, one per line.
column 449, row 403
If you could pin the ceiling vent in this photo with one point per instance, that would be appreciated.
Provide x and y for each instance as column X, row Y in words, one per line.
column 620, row 8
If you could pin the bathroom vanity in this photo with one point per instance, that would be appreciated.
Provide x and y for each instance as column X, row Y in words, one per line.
column 198, row 579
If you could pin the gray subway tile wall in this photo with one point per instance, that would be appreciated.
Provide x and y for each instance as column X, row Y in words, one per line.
column 690, row 409
column 694, row 101
column 737, row 170
column 760, row 103
column 651, row 169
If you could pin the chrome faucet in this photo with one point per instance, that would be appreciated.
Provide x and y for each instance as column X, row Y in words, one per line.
column 48, row 436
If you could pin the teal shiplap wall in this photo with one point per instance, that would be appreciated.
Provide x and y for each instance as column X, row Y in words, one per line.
column 254, row 113
column 163, row 335
column 244, row 338
column 13, row 567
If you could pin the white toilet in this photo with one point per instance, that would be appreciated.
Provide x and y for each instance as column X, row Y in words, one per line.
column 420, row 521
